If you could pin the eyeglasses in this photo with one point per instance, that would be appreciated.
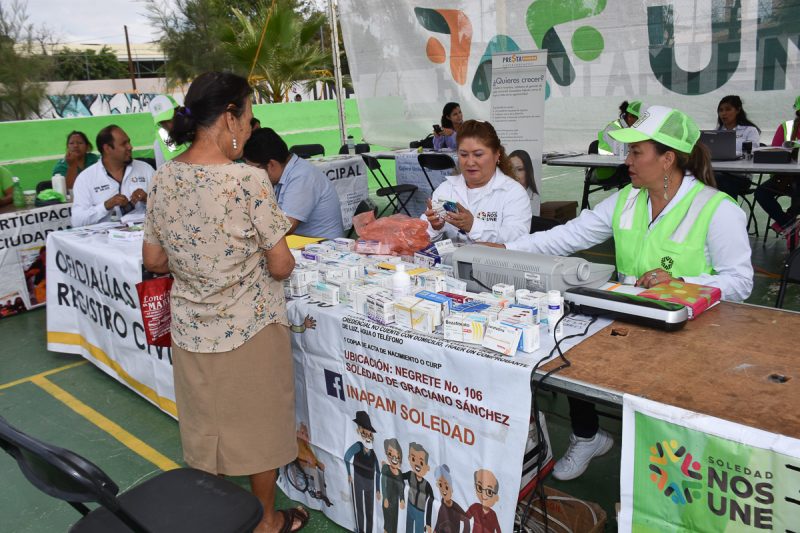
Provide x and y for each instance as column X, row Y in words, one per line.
column 366, row 435
column 486, row 491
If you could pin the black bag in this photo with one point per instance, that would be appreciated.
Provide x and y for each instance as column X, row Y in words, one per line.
column 426, row 143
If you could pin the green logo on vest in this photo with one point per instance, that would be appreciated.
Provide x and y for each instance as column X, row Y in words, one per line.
column 666, row 263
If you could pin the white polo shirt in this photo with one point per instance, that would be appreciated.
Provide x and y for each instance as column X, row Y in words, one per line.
column 95, row 185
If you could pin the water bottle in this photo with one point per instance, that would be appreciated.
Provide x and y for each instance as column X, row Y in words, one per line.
column 401, row 282
column 60, row 184
column 351, row 146
column 18, row 196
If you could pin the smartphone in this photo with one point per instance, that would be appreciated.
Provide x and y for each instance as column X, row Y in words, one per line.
column 450, row 206
column 437, row 128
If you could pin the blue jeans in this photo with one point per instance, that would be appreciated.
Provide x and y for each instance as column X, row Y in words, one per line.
column 415, row 520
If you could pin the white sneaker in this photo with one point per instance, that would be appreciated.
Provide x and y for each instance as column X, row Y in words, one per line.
column 580, row 453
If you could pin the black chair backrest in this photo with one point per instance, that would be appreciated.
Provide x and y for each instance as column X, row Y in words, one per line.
column 42, row 185
column 371, row 162
column 307, row 150
column 436, row 161
column 361, row 148
column 594, row 146
column 58, row 472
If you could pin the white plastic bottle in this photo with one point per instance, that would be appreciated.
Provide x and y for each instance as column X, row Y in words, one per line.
column 60, row 184
column 401, row 282
column 555, row 310
column 351, row 145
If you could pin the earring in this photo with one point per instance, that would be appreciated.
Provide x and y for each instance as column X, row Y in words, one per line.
column 666, row 182
column 235, row 144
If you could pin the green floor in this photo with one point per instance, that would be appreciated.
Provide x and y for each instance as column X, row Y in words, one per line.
column 30, row 407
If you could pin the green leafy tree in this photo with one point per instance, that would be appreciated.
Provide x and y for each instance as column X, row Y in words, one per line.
column 23, row 65
column 290, row 51
column 73, row 65
column 191, row 36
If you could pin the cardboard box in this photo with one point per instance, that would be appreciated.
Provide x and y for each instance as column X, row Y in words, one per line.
column 380, row 307
column 322, row 292
column 561, row 211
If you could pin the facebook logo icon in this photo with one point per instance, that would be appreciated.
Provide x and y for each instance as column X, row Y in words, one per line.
column 333, row 384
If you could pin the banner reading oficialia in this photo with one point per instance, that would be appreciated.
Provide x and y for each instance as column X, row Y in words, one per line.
column 683, row 471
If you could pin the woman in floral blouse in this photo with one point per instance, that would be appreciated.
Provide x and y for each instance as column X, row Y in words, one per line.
column 216, row 227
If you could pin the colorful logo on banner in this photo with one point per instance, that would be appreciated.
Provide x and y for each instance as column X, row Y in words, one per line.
column 675, row 472
column 775, row 34
column 687, row 480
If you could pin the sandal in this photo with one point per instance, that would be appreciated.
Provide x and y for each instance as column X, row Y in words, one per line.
column 290, row 515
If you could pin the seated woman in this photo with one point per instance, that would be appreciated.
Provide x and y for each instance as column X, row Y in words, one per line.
column 669, row 223
column 522, row 166
column 489, row 205
column 767, row 193
column 79, row 156
column 452, row 119
column 628, row 114
column 731, row 116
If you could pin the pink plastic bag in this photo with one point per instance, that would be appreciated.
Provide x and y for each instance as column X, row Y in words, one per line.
column 403, row 234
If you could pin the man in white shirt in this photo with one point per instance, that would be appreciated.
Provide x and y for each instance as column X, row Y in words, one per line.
column 115, row 185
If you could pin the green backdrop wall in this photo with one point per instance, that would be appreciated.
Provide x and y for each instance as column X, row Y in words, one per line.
column 30, row 148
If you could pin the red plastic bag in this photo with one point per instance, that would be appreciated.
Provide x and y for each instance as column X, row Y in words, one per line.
column 154, row 304
column 403, row 234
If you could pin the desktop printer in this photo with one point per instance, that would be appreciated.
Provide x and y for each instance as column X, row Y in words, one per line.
column 482, row 267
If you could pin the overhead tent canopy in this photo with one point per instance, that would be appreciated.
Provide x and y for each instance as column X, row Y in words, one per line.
column 408, row 58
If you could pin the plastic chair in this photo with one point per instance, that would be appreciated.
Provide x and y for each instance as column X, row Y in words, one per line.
column 391, row 192
column 181, row 500
column 307, row 150
column 617, row 180
column 42, row 185
column 791, row 274
column 361, row 148
column 434, row 162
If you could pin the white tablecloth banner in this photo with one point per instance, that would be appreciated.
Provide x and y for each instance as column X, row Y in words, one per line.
column 22, row 238
column 350, row 179
column 408, row 171
column 93, row 311
column 685, row 471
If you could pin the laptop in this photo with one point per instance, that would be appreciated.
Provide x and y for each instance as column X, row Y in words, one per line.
column 721, row 144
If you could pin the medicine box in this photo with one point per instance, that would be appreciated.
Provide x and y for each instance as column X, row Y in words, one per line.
column 501, row 338
column 380, row 307
column 529, row 335
column 504, row 290
column 322, row 292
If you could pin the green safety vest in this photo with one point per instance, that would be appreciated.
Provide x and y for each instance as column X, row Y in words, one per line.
column 676, row 244
column 603, row 147
column 168, row 148
column 787, row 132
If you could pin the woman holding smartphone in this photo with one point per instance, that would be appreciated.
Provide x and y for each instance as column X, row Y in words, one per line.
column 452, row 119
column 483, row 203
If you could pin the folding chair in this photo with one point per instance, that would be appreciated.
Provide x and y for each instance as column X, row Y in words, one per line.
column 791, row 274
column 361, row 148
column 391, row 192
column 618, row 179
column 434, row 162
column 181, row 500
column 307, row 150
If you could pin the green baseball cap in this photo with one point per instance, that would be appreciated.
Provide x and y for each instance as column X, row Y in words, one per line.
column 668, row 126
column 162, row 107
column 797, row 103
column 634, row 108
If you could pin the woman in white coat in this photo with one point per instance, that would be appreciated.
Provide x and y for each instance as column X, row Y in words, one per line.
column 489, row 206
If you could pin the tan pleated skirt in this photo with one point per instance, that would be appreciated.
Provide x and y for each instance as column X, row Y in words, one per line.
column 236, row 409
